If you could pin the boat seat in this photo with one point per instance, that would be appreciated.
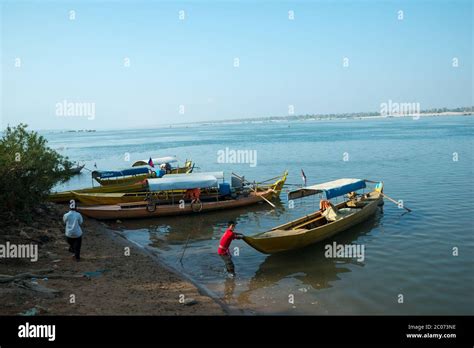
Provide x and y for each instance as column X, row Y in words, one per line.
column 307, row 223
column 281, row 233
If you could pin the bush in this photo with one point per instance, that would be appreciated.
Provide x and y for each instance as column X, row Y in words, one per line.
column 28, row 171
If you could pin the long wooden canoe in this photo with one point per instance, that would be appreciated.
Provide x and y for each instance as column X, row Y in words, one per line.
column 66, row 196
column 138, row 210
column 133, row 197
column 313, row 228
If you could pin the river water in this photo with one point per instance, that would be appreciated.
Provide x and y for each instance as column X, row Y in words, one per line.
column 427, row 163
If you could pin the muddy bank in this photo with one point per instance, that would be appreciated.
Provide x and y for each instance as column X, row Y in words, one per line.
column 114, row 277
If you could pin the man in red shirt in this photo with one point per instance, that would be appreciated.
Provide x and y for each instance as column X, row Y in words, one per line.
column 223, row 249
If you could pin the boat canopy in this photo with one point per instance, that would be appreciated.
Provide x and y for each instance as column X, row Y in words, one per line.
column 175, row 182
column 104, row 174
column 217, row 175
column 332, row 189
column 156, row 161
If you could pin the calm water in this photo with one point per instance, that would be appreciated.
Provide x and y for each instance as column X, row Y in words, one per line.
column 409, row 254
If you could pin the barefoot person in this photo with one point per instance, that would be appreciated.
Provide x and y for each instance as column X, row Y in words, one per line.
column 223, row 249
column 73, row 221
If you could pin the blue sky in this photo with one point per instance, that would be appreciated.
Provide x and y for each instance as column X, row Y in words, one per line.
column 190, row 62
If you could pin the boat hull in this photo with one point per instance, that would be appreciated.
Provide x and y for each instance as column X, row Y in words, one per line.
column 77, row 170
column 134, row 197
column 139, row 211
column 300, row 238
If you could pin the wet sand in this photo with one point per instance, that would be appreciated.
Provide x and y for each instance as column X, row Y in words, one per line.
column 104, row 282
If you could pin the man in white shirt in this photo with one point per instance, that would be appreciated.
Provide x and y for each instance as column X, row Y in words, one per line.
column 73, row 221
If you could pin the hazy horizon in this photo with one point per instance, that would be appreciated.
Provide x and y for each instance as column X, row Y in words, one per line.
column 118, row 65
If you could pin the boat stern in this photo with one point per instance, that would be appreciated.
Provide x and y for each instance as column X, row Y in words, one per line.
column 278, row 185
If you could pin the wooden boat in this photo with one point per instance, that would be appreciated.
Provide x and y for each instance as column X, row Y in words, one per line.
column 77, row 169
column 137, row 210
column 145, row 196
column 187, row 168
column 316, row 227
column 156, row 161
column 136, row 173
column 66, row 196
column 149, row 194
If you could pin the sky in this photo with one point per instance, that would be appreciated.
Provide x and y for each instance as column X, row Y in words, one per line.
column 140, row 64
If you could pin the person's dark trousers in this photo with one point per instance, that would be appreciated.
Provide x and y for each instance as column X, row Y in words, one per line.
column 229, row 265
column 75, row 246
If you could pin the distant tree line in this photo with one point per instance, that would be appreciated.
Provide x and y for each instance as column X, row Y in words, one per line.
column 466, row 109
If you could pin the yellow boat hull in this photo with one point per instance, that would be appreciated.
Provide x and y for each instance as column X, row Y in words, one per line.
column 66, row 196
column 109, row 198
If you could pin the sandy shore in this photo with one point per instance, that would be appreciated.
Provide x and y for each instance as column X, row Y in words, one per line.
column 104, row 282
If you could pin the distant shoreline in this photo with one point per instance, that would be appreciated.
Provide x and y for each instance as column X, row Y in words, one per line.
column 290, row 119
column 271, row 119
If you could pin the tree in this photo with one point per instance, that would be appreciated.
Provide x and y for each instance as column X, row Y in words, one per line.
column 28, row 171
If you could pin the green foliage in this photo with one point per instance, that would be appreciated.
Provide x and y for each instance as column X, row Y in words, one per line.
column 28, row 171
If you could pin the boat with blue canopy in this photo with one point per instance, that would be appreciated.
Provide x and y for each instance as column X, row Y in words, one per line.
column 226, row 197
column 164, row 163
column 138, row 173
column 107, row 174
column 331, row 189
column 122, row 177
column 324, row 223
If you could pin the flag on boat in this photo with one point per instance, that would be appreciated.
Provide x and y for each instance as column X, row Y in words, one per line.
column 303, row 175
column 150, row 163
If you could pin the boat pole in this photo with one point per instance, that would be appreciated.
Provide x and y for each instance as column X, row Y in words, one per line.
column 184, row 249
column 394, row 201
column 390, row 199
column 266, row 200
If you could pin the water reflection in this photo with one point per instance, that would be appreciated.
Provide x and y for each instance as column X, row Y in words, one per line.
column 199, row 227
